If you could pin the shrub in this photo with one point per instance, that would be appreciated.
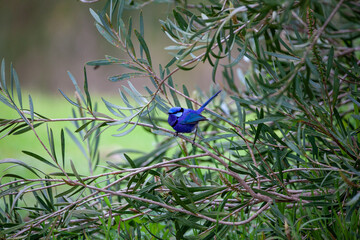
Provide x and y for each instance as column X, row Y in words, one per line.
column 278, row 159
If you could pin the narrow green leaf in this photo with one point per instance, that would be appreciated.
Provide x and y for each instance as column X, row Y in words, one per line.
column 8, row 125
column 66, row 192
column 144, row 46
column 191, row 15
column 186, row 68
column 330, row 62
column 340, row 123
column 21, row 163
column 231, row 40
column 17, row 85
column 76, row 87
column 93, row 129
column 26, row 129
column 175, row 47
column 177, row 199
column 113, row 165
column 95, row 16
column 353, row 200
column 137, row 93
column 107, row 36
column 3, row 79
column 173, row 93
column 34, row 155
column 141, row 32
column 218, row 137
column 69, row 100
column 188, row 102
column 130, row 161
column 207, row 193
column 286, row 57
column 16, row 127
column 12, row 175
column 189, row 51
column 268, row 68
column 239, row 57
column 312, row 68
column 258, row 131
column 109, row 104
column 240, row 171
column 293, row 147
column 128, row 43
column 125, row 76
column 131, row 66
column 6, row 102
column 86, row 89
column 62, row 139
column 214, row 70
column 83, row 126
column 203, row 31
column 135, row 96
column 354, row 100
column 126, row 132
column 191, row 224
column 264, row 120
column 22, row 116
column 31, row 108
column 220, row 117
column 52, row 143
column 229, row 76
column 12, row 80
column 75, row 172
column 120, row 12
column 61, row 174
column 125, row 100
column 101, row 62
column 107, row 61
column 162, row 133
column 77, row 142
column 336, row 88
column 174, row 59
column 290, row 49
column 13, row 189
column 180, row 20
column 111, row 9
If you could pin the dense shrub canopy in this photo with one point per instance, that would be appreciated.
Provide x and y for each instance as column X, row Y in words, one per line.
column 279, row 157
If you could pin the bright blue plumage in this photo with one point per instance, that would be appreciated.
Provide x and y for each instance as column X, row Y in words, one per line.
column 184, row 120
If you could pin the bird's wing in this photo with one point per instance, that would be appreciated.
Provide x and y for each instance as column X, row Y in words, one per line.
column 192, row 117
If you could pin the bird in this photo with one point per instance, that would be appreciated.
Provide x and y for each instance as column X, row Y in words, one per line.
column 184, row 120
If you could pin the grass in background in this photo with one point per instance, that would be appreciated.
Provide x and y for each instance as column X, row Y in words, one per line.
column 55, row 106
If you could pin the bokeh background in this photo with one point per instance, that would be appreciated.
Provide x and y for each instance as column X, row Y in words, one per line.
column 46, row 38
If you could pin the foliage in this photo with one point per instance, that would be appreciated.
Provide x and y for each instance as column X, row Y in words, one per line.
column 278, row 159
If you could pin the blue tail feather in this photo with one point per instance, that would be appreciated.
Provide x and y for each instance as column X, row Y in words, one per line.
column 207, row 102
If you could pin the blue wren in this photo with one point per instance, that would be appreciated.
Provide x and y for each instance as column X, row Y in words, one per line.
column 184, row 120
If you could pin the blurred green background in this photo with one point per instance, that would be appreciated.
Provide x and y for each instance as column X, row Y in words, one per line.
column 46, row 38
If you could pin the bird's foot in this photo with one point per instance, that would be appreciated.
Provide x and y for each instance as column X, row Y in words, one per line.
column 195, row 135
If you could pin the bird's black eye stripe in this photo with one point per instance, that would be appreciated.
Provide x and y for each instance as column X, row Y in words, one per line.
column 176, row 122
column 181, row 110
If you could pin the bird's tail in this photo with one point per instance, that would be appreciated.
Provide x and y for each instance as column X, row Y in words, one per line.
column 207, row 102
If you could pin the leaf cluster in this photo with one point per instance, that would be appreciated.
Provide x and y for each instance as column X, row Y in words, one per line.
column 278, row 159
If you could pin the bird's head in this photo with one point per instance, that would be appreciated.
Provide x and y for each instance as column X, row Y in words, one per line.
column 176, row 111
